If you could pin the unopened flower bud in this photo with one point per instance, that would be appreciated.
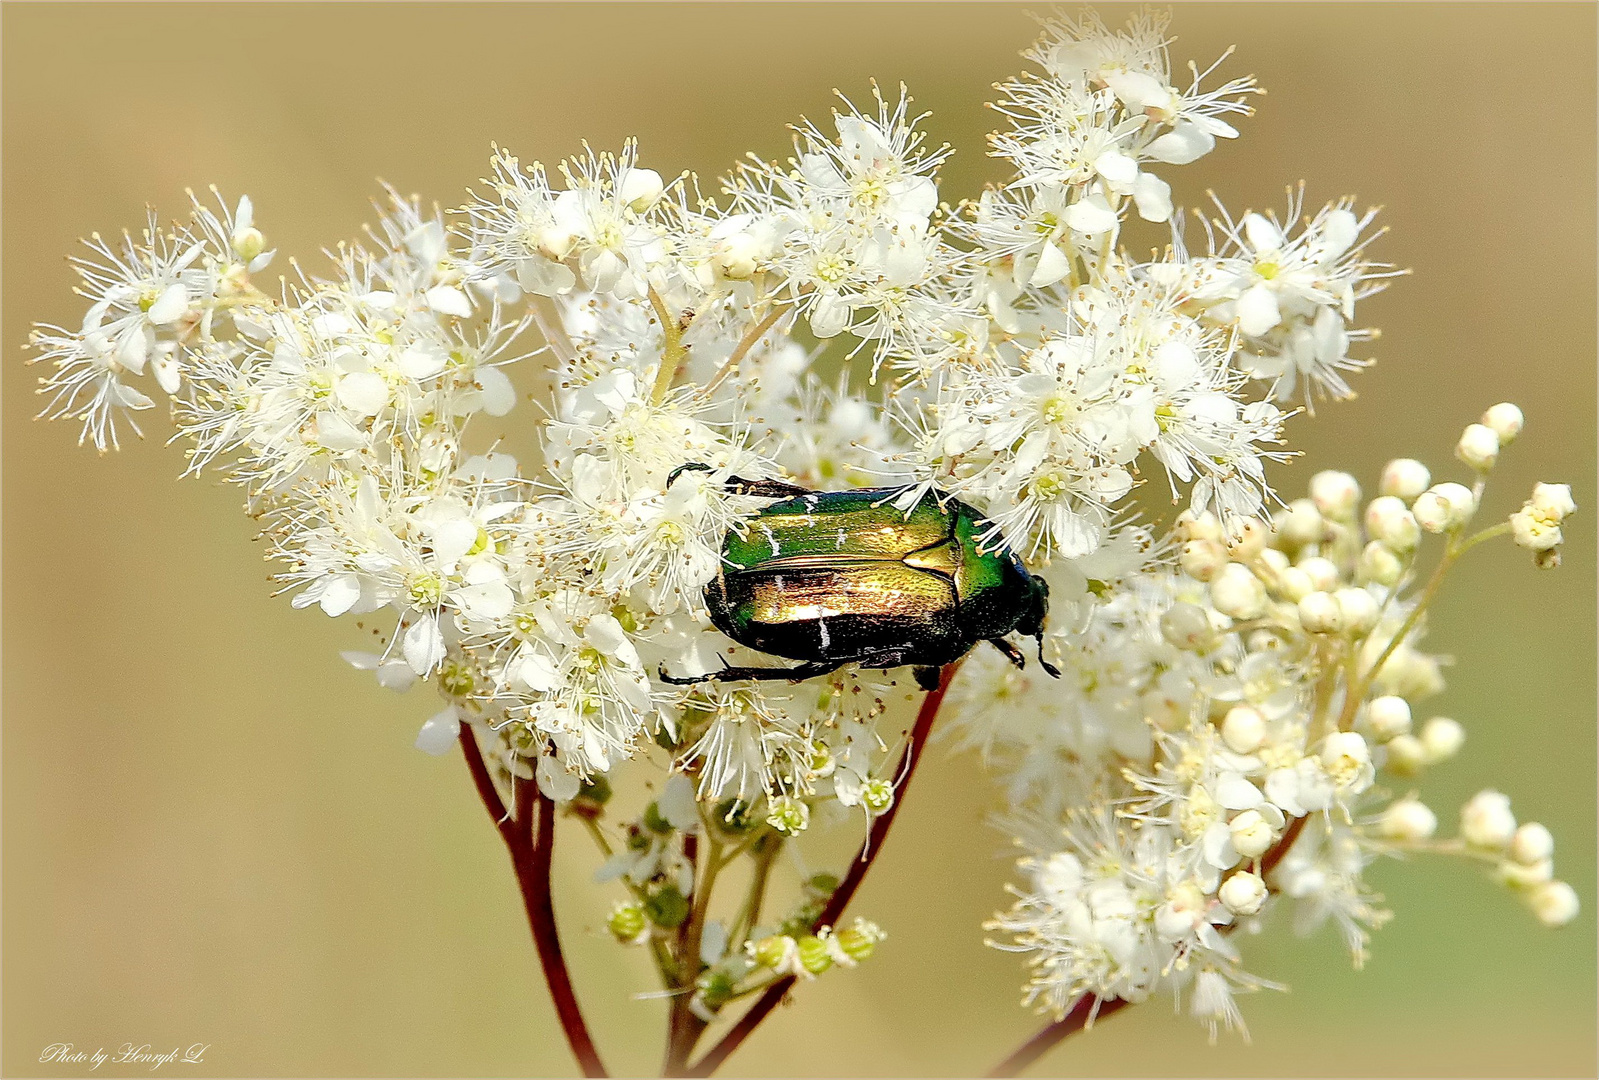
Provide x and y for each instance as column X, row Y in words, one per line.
column 737, row 256
column 1478, row 447
column 1323, row 572
column 1293, row 585
column 813, row 954
column 1505, row 420
column 1203, row 559
column 1442, row 738
column 1336, row 494
column 1409, row 820
column 1243, row 729
column 1519, row 875
column 1406, row 755
column 1238, row 593
column 1319, row 613
column 773, row 952
column 1486, row 820
column 1554, row 902
column 1531, row 844
column 860, row 940
column 1358, row 609
column 1388, row 716
column 1186, row 626
column 1274, row 560
column 627, row 923
column 1244, row 893
column 1247, row 540
column 247, row 242
column 1405, row 478
column 1388, row 519
column 1301, row 523
column 1443, row 507
column 1379, row 564
column 1202, row 526
column 1251, row 834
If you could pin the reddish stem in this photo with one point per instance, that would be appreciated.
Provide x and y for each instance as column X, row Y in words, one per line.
column 1074, row 1021
column 1077, row 1017
column 716, row 1055
column 530, row 858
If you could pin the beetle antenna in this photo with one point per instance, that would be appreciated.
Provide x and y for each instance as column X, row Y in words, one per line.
column 693, row 466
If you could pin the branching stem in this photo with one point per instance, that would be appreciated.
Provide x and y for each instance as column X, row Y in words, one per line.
column 531, row 843
column 839, row 900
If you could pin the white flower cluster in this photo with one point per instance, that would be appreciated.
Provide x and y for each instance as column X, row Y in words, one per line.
column 1238, row 727
column 1033, row 370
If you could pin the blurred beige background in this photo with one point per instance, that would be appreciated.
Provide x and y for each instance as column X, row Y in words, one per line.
column 216, row 832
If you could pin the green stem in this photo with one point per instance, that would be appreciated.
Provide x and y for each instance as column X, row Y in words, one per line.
column 672, row 350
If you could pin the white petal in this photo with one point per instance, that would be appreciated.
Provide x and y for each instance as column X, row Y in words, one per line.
column 340, row 594
column 170, row 305
column 1090, row 216
column 1262, row 235
column 396, row 675
column 830, row 316
column 554, row 781
column 677, row 804
column 539, row 673
column 363, row 393
column 439, row 732
column 1152, row 195
column 448, row 300
column 168, row 372
column 499, row 396
column 1184, row 143
column 1257, row 310
column 423, row 644
column 1236, row 793
column 419, row 363
column 1138, row 90
column 1052, row 267
column 1116, row 167
column 490, row 601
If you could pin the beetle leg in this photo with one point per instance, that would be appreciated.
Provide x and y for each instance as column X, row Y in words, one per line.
column 1012, row 653
column 765, row 489
column 928, row 676
column 1054, row 671
column 808, row 670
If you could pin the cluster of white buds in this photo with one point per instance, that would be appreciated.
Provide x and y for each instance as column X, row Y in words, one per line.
column 1215, row 711
column 1236, row 729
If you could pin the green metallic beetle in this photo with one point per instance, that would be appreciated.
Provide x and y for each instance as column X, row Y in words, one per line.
column 843, row 577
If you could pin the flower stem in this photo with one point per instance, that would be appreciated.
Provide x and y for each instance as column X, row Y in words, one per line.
column 1075, row 1020
column 672, row 351
column 530, row 848
column 839, row 900
column 745, row 344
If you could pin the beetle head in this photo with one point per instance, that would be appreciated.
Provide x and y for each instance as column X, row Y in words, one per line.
column 1032, row 621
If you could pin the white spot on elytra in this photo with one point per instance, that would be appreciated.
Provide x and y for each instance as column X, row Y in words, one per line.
column 770, row 539
column 827, row 640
